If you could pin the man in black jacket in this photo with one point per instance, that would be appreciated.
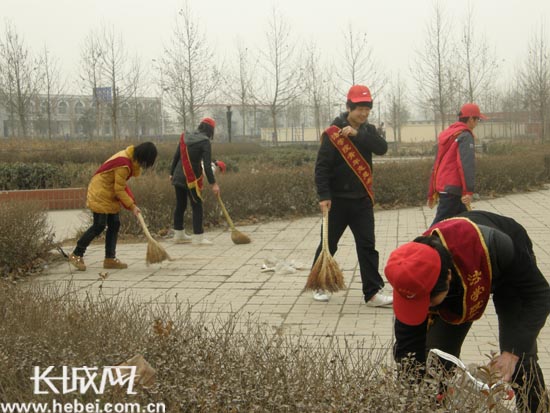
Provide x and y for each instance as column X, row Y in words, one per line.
column 442, row 282
column 343, row 176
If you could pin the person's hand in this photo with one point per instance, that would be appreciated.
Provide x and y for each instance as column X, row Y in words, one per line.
column 135, row 210
column 348, row 131
column 216, row 189
column 505, row 365
column 431, row 202
column 325, row 205
column 467, row 200
column 171, row 177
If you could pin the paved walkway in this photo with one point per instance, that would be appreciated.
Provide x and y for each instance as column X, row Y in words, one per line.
column 224, row 278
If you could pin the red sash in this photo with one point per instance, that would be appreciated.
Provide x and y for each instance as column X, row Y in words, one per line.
column 353, row 158
column 472, row 263
column 192, row 180
column 117, row 163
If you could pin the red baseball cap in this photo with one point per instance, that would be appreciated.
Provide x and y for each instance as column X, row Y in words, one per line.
column 359, row 93
column 209, row 121
column 412, row 270
column 471, row 110
column 221, row 165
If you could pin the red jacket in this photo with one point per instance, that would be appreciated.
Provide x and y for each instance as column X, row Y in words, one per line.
column 454, row 169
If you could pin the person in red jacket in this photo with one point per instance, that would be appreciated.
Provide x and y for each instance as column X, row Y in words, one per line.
column 453, row 172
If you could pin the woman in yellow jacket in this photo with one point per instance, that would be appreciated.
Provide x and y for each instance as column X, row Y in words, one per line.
column 106, row 193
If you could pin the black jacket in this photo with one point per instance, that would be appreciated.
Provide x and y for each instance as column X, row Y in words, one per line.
column 199, row 149
column 521, row 294
column 333, row 177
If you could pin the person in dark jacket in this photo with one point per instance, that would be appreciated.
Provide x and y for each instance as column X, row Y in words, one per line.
column 442, row 282
column 186, row 174
column 343, row 177
column 453, row 172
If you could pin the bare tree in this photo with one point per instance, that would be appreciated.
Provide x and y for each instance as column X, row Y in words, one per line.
column 137, row 88
column 476, row 59
column 358, row 64
column 52, row 85
column 315, row 79
column 245, row 81
column 282, row 74
column 118, row 72
column 239, row 83
column 191, row 71
column 91, row 76
column 398, row 112
column 433, row 70
column 535, row 78
column 20, row 79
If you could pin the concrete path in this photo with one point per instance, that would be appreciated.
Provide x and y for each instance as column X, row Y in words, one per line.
column 218, row 280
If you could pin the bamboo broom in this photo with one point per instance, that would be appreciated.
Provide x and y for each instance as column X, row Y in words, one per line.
column 236, row 236
column 325, row 274
column 155, row 252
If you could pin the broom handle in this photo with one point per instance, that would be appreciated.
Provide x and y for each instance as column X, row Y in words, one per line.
column 227, row 217
column 145, row 230
column 325, row 231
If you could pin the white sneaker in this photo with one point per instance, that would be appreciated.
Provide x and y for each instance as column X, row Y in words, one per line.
column 321, row 295
column 180, row 237
column 198, row 239
column 380, row 300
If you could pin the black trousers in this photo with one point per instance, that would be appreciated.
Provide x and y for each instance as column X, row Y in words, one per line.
column 112, row 222
column 182, row 193
column 358, row 215
column 449, row 206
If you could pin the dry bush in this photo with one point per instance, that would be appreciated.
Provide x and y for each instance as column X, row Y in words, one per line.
column 231, row 364
column 25, row 236
column 497, row 175
column 401, row 184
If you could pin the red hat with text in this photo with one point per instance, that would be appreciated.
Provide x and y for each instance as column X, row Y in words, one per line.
column 359, row 93
column 471, row 110
column 209, row 121
column 412, row 270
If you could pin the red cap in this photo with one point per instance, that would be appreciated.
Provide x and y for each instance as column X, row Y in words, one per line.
column 359, row 93
column 471, row 110
column 221, row 165
column 412, row 270
column 209, row 121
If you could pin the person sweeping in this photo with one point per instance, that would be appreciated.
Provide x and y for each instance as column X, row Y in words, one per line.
column 186, row 174
column 107, row 191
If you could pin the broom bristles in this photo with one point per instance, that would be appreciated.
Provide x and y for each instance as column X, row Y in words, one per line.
column 155, row 253
column 325, row 275
column 239, row 238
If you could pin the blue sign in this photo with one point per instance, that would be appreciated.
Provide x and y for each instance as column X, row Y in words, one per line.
column 103, row 94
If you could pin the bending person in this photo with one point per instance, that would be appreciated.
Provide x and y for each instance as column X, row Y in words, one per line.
column 442, row 282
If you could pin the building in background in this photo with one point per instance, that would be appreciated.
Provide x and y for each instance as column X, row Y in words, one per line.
column 82, row 116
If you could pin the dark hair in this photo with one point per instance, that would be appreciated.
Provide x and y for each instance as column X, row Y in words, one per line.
column 465, row 120
column 207, row 129
column 446, row 261
column 353, row 106
column 145, row 154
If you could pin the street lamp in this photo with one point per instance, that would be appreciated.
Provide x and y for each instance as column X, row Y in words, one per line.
column 229, row 115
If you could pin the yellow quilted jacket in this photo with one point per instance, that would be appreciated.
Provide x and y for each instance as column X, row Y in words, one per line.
column 106, row 190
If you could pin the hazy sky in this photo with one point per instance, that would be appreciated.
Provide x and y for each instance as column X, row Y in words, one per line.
column 395, row 27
